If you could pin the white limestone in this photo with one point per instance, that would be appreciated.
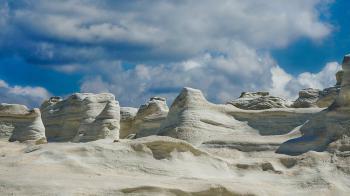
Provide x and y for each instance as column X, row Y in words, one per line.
column 258, row 101
column 82, row 117
column 327, row 126
column 127, row 117
column 18, row 123
column 150, row 116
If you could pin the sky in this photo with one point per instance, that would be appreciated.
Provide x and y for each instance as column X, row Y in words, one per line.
column 144, row 48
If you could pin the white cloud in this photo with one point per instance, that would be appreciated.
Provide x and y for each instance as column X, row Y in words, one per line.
column 220, row 77
column 160, row 29
column 287, row 86
column 221, row 47
column 27, row 95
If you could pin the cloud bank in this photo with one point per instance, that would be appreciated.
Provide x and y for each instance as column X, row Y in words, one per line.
column 26, row 95
column 138, row 49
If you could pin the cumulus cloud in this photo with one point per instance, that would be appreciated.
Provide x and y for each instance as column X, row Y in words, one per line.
column 220, row 47
column 155, row 30
column 27, row 95
column 287, row 86
column 220, row 77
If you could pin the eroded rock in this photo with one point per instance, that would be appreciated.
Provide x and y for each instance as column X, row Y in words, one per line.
column 307, row 98
column 150, row 116
column 258, row 101
column 18, row 123
column 327, row 126
column 127, row 117
column 81, row 117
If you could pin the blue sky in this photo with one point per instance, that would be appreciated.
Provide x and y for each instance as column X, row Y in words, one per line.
column 139, row 49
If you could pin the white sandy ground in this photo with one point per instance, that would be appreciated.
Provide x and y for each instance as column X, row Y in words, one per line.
column 164, row 166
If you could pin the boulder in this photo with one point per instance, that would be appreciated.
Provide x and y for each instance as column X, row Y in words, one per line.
column 149, row 117
column 326, row 127
column 307, row 98
column 18, row 123
column 127, row 117
column 258, row 101
column 82, row 117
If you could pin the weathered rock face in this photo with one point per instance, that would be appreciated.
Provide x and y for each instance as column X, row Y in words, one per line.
column 81, row 117
column 192, row 118
column 315, row 98
column 328, row 126
column 258, row 101
column 127, row 117
column 150, row 116
column 327, row 96
column 307, row 98
column 339, row 76
column 18, row 123
column 343, row 99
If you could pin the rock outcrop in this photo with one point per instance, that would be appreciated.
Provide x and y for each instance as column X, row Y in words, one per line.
column 307, row 98
column 127, row 117
column 328, row 126
column 328, row 95
column 81, row 117
column 150, row 116
column 18, row 123
column 192, row 118
column 258, row 101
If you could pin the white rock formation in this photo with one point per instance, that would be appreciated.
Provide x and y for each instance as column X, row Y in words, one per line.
column 127, row 117
column 192, row 118
column 327, row 96
column 328, row 126
column 18, row 123
column 81, row 117
column 319, row 98
column 307, row 98
column 258, row 101
column 234, row 151
column 150, row 116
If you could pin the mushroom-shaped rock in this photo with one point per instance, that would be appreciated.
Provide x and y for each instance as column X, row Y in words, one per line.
column 81, row 117
column 18, row 123
column 258, row 101
column 149, row 117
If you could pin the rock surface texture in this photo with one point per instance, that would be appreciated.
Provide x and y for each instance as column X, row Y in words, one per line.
column 18, row 123
column 319, row 98
column 258, row 101
column 81, row 117
column 127, row 117
column 328, row 126
column 192, row 118
column 150, row 116
column 200, row 148
column 307, row 98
